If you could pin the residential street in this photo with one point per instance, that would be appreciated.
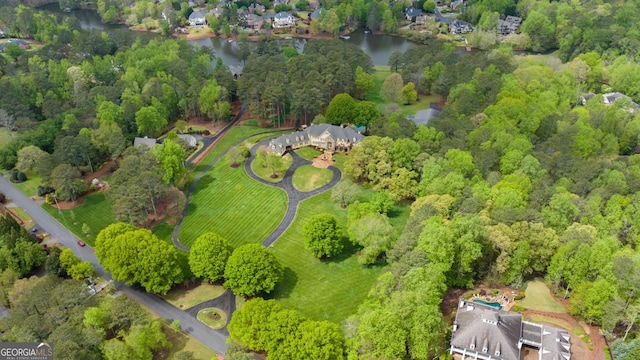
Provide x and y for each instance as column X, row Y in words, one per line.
column 45, row 222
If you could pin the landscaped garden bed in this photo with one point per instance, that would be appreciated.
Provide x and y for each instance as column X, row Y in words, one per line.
column 213, row 317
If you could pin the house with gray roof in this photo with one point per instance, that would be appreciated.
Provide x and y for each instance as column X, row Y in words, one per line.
column 283, row 19
column 147, row 142
column 484, row 332
column 190, row 139
column 197, row 18
column 610, row 98
column 423, row 117
column 323, row 136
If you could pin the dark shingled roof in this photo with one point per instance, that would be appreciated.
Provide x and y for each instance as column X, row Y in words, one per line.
column 487, row 330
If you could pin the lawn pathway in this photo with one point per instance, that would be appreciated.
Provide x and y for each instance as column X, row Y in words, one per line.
column 294, row 196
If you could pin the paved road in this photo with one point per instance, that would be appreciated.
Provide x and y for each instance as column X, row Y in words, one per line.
column 212, row 338
column 294, row 196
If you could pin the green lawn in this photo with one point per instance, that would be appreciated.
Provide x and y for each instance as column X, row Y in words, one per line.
column 29, row 187
column 329, row 289
column 185, row 298
column 538, row 297
column 228, row 202
column 381, row 73
column 95, row 212
column 257, row 165
column 308, row 153
column 308, row 178
column 234, row 135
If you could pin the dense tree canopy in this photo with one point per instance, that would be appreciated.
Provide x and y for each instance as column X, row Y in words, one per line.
column 138, row 256
column 322, row 235
column 252, row 270
column 208, row 256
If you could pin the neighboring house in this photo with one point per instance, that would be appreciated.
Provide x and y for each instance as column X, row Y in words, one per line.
column 242, row 15
column 412, row 12
column 509, row 25
column 314, row 4
column 484, row 332
column 236, row 71
column 460, row 27
column 283, row 19
column 278, row 2
column 421, row 20
column 197, row 18
column 217, row 11
column 315, row 15
column 610, row 98
column 324, row 136
column 190, row 139
column 455, row 4
column 424, row 116
column 255, row 7
column 254, row 21
column 148, row 142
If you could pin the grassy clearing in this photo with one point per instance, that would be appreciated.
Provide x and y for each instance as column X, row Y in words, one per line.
column 328, row 289
column 308, row 178
column 213, row 317
column 29, row 187
column 234, row 135
column 95, row 212
column 180, row 341
column 227, row 201
column 260, row 169
column 185, row 298
column 381, row 73
column 308, row 153
column 551, row 321
column 538, row 297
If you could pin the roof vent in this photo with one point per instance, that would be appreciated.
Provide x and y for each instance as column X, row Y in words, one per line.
column 485, row 346
column 470, row 306
column 497, row 353
column 472, row 346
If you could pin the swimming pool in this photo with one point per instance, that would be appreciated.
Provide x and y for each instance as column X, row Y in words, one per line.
column 492, row 304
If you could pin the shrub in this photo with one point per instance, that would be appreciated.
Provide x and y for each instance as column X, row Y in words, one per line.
column 44, row 190
column 246, row 153
column 93, row 187
column 520, row 296
column 14, row 175
column 206, row 133
column 49, row 199
column 3, row 199
column 22, row 177
column 518, row 308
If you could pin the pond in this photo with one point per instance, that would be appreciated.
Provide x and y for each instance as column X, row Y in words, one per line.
column 379, row 47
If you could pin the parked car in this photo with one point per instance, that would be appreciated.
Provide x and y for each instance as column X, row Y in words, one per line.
column 81, row 243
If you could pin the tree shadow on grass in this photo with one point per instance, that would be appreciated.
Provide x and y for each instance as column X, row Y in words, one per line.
column 203, row 183
column 348, row 251
column 191, row 208
column 285, row 287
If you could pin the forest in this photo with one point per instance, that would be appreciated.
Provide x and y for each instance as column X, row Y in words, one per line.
column 522, row 175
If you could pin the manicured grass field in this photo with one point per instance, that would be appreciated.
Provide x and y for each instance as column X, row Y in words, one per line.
column 308, row 178
column 320, row 289
column 185, row 298
column 538, row 297
column 228, row 202
column 95, row 212
column 257, row 165
column 234, row 135
column 308, row 153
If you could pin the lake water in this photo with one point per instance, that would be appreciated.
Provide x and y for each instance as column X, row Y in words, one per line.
column 379, row 47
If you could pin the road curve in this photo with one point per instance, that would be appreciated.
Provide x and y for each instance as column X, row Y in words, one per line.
column 214, row 339
column 294, row 196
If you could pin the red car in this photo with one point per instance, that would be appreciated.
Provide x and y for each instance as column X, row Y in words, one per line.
column 81, row 243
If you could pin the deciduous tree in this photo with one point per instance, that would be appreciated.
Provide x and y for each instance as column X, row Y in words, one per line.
column 251, row 270
column 208, row 256
column 321, row 235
